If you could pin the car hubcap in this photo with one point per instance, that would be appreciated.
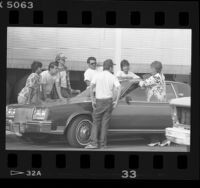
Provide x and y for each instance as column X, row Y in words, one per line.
column 84, row 132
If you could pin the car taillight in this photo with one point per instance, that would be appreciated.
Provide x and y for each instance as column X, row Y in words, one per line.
column 184, row 115
column 40, row 113
column 10, row 112
column 174, row 115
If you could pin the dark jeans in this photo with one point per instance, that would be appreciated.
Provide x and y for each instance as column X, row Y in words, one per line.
column 101, row 121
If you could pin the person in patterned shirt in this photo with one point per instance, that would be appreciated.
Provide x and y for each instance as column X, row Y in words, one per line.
column 155, row 84
column 30, row 93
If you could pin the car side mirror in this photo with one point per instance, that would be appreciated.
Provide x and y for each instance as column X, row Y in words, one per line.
column 180, row 95
column 128, row 99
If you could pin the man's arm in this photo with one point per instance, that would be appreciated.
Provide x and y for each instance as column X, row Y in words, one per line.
column 118, row 90
column 87, row 82
column 92, row 95
column 58, row 89
column 29, row 95
column 148, row 82
column 43, row 91
column 87, row 78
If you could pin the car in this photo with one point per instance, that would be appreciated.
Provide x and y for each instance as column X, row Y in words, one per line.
column 73, row 119
column 180, row 132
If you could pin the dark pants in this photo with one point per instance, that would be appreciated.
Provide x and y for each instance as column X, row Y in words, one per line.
column 101, row 121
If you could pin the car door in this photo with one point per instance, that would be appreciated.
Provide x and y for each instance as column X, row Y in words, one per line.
column 139, row 114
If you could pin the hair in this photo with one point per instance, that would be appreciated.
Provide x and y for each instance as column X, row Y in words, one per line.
column 58, row 56
column 35, row 65
column 52, row 65
column 124, row 63
column 157, row 65
column 107, row 64
column 91, row 58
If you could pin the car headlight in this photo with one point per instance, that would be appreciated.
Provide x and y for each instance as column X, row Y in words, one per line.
column 174, row 115
column 10, row 112
column 40, row 113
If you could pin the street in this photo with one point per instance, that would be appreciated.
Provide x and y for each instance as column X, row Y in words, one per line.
column 14, row 143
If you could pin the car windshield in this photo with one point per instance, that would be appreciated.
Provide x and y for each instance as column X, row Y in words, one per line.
column 125, row 87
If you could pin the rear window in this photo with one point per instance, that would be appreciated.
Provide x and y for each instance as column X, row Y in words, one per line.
column 182, row 90
column 170, row 92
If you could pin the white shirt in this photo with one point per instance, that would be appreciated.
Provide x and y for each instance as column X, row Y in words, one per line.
column 105, row 84
column 48, row 80
column 89, row 74
column 129, row 74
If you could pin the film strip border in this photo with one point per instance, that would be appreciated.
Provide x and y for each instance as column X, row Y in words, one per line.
column 96, row 165
column 104, row 164
column 101, row 14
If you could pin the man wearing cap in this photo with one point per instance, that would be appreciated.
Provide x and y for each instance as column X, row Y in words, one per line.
column 104, row 84
column 65, row 86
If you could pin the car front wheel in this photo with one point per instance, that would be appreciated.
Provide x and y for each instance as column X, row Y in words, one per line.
column 79, row 131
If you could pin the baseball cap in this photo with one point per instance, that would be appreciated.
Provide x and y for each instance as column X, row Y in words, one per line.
column 108, row 63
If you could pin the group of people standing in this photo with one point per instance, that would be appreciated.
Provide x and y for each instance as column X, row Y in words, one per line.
column 54, row 83
column 105, row 85
column 45, row 86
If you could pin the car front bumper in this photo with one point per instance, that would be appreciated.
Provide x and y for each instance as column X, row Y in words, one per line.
column 28, row 127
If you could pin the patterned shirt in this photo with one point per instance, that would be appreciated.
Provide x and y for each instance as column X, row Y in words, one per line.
column 155, row 87
column 32, row 82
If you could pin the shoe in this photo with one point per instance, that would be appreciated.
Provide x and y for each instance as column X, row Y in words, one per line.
column 91, row 146
column 154, row 144
column 165, row 143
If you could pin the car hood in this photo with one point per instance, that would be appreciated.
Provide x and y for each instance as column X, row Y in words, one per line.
column 83, row 97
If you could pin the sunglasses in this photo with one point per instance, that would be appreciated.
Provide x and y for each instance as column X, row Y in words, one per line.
column 93, row 63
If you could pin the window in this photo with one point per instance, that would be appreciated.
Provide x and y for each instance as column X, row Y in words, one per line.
column 170, row 92
column 182, row 90
column 138, row 94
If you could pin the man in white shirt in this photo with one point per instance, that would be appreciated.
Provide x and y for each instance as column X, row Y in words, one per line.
column 91, row 71
column 105, row 84
column 125, row 74
column 48, row 79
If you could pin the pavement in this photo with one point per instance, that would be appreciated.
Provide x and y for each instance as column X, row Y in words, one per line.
column 14, row 143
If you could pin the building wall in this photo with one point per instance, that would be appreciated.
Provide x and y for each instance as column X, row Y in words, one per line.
column 139, row 46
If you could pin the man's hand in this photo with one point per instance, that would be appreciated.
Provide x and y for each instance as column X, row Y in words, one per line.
column 94, row 104
column 48, row 100
column 62, row 99
column 73, row 91
column 77, row 91
column 114, row 104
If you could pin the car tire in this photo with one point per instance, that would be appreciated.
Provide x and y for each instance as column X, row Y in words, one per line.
column 79, row 131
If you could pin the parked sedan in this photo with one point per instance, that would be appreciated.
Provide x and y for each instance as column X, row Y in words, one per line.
column 73, row 118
